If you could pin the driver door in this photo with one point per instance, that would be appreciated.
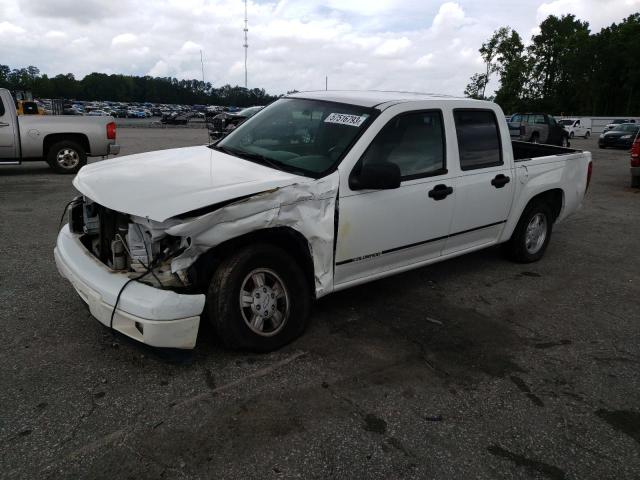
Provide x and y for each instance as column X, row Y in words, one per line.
column 384, row 231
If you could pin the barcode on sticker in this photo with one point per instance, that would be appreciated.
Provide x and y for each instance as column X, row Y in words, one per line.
column 344, row 119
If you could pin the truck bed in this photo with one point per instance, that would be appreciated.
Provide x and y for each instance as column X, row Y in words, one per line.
column 523, row 151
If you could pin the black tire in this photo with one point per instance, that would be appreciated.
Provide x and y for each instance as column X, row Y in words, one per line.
column 588, row 134
column 564, row 142
column 76, row 158
column 535, row 138
column 224, row 301
column 635, row 182
column 516, row 247
column 571, row 135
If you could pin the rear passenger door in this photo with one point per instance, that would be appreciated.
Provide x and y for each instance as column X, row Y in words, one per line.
column 485, row 187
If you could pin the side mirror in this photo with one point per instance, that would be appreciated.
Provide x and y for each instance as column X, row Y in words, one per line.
column 379, row 176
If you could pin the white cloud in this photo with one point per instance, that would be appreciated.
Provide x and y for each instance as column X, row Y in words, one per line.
column 430, row 45
column 7, row 28
column 124, row 39
column 191, row 47
column 393, row 46
column 450, row 16
column 160, row 69
column 425, row 61
column 599, row 13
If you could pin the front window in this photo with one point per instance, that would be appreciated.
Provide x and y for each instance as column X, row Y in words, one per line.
column 567, row 123
column 308, row 137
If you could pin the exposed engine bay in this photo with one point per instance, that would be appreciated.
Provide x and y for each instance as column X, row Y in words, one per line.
column 124, row 245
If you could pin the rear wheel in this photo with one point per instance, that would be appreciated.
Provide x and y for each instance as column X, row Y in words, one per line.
column 66, row 156
column 258, row 299
column 532, row 233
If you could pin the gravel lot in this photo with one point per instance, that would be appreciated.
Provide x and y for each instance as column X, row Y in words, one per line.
column 472, row 368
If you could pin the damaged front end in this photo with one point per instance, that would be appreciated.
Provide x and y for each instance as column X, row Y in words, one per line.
column 129, row 244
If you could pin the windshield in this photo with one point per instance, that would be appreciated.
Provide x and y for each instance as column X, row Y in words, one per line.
column 303, row 136
column 566, row 122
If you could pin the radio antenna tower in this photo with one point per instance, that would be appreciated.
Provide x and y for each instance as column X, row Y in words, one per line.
column 246, row 43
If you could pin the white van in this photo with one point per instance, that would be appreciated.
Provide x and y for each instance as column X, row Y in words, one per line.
column 577, row 127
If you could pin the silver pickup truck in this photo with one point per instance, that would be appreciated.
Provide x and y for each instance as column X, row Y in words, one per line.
column 63, row 142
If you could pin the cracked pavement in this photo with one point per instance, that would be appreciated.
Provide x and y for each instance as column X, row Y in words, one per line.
column 472, row 368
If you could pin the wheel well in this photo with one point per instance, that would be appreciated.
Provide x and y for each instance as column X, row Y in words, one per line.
column 554, row 198
column 79, row 138
column 286, row 238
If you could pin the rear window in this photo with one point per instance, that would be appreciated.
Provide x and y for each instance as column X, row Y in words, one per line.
column 478, row 138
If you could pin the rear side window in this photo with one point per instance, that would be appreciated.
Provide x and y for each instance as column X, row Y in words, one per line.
column 478, row 138
column 1, row 108
column 413, row 141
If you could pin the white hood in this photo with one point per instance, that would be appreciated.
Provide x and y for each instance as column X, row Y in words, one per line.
column 160, row 185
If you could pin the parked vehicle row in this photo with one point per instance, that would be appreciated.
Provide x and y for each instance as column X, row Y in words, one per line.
column 317, row 193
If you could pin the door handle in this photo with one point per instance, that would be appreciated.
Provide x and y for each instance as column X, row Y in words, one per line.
column 440, row 192
column 500, row 181
column 3, row 124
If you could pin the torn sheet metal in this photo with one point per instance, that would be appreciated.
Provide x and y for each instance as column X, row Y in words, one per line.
column 308, row 208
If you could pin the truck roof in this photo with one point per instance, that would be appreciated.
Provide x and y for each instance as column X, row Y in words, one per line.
column 373, row 98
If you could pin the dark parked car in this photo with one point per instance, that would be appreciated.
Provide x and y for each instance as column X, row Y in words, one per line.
column 176, row 118
column 223, row 123
column 538, row 128
column 621, row 136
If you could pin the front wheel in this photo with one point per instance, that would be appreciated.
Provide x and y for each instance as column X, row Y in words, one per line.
column 532, row 234
column 587, row 135
column 66, row 156
column 258, row 299
column 571, row 135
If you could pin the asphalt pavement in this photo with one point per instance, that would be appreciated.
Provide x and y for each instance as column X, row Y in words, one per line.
column 472, row 368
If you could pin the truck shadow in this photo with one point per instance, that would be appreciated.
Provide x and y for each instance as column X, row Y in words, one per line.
column 413, row 314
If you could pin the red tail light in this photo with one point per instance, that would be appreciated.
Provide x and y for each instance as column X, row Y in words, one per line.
column 589, row 172
column 635, row 153
column 111, row 131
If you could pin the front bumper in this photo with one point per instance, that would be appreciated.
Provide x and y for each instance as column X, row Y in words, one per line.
column 160, row 318
column 114, row 149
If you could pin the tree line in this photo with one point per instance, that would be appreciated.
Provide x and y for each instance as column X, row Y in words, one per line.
column 129, row 88
column 565, row 68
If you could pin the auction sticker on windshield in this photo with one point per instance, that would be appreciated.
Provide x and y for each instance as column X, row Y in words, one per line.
column 344, row 119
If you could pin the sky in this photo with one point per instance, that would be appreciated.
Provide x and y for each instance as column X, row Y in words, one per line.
column 418, row 45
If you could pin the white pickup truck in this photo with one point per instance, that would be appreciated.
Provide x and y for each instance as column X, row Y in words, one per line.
column 316, row 193
column 63, row 142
